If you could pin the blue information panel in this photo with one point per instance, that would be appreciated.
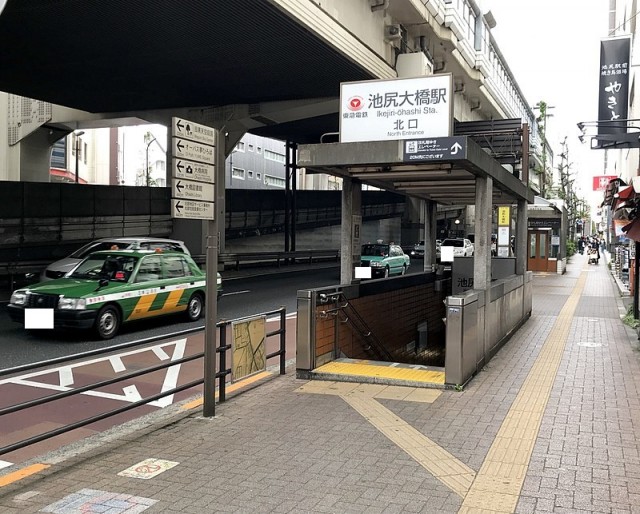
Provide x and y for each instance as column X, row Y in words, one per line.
column 435, row 149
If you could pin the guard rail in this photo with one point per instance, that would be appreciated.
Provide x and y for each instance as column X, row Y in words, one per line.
column 235, row 259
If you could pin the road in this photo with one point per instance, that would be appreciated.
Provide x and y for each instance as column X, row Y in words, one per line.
column 242, row 297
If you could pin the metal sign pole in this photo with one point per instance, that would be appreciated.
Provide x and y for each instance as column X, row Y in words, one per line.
column 211, row 303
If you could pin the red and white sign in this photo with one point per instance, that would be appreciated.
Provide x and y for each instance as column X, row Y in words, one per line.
column 407, row 108
column 601, row 182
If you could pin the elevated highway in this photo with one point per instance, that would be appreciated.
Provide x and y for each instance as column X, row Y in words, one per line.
column 269, row 67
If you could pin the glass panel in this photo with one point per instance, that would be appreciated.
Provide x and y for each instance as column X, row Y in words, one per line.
column 543, row 246
column 532, row 246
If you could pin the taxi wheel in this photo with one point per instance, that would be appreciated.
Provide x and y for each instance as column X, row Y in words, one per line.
column 404, row 269
column 108, row 322
column 386, row 272
column 195, row 307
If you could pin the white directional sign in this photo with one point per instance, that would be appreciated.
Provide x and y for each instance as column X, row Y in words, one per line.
column 193, row 131
column 190, row 209
column 185, row 149
column 194, row 170
column 191, row 190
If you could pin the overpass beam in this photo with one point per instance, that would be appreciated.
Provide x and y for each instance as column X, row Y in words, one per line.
column 351, row 217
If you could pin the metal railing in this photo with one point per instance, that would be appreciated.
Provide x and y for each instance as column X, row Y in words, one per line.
column 308, row 256
column 220, row 376
column 352, row 317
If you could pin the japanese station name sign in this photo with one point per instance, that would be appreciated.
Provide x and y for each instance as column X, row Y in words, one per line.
column 435, row 148
column 385, row 110
column 193, row 170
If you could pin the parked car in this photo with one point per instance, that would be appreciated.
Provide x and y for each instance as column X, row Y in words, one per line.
column 462, row 247
column 109, row 288
column 61, row 267
column 418, row 250
column 384, row 259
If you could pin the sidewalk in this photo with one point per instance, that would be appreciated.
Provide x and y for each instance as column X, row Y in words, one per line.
column 551, row 424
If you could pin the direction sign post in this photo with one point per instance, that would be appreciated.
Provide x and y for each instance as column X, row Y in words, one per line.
column 195, row 152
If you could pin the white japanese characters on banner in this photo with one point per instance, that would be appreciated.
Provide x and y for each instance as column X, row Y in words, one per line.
column 383, row 110
column 613, row 101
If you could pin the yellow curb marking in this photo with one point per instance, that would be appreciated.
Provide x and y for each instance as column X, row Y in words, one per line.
column 232, row 388
column 22, row 473
column 498, row 484
column 392, row 372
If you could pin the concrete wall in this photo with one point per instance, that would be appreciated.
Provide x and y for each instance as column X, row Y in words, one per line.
column 322, row 237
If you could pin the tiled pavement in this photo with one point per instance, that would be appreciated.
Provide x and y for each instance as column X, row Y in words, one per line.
column 565, row 389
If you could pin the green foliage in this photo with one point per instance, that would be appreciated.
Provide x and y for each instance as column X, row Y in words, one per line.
column 571, row 248
column 629, row 320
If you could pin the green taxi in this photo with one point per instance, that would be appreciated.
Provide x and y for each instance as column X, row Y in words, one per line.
column 384, row 259
column 109, row 288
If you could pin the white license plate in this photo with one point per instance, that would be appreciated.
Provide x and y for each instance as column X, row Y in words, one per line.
column 38, row 318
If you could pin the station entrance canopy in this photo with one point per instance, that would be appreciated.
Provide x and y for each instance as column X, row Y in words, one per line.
column 441, row 169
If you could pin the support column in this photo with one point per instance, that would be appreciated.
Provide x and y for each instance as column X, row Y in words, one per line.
column 482, row 245
column 350, row 242
column 430, row 222
column 521, row 237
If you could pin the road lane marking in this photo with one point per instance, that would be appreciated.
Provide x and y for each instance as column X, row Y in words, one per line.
column 117, row 364
column 236, row 292
column 130, row 393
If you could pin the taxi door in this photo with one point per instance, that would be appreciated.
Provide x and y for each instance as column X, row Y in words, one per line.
column 150, row 287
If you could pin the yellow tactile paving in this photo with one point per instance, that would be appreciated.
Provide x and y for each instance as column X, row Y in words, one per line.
column 381, row 391
column 441, row 464
column 359, row 369
column 497, row 485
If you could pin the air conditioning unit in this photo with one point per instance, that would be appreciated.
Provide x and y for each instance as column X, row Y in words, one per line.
column 392, row 32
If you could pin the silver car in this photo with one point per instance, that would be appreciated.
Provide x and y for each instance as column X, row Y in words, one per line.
column 63, row 266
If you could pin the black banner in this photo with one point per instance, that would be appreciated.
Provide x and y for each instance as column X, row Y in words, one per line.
column 613, row 97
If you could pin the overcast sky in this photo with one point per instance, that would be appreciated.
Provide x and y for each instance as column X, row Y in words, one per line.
column 553, row 50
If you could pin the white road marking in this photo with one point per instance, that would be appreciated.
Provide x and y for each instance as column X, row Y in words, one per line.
column 65, row 375
column 160, row 353
column 130, row 393
column 117, row 364
column 5, row 464
column 236, row 292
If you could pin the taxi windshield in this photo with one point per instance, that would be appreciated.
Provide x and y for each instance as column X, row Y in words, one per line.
column 375, row 250
column 112, row 267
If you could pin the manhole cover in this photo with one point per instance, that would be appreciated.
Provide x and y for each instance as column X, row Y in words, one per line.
column 588, row 344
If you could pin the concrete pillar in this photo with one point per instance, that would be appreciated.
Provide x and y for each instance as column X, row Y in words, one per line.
column 430, row 222
column 35, row 156
column 351, row 216
column 482, row 245
column 521, row 237
column 411, row 222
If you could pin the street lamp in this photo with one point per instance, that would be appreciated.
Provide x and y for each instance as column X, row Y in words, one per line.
column 77, row 143
column 147, row 160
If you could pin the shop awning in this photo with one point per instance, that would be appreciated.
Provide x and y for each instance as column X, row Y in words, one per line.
column 632, row 230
